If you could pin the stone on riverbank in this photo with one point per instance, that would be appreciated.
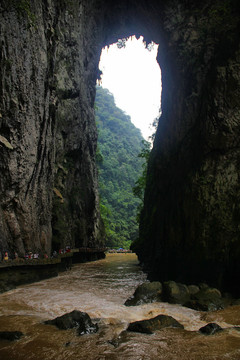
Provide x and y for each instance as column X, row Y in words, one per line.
column 202, row 297
column 210, row 329
column 193, row 289
column 147, row 292
column 75, row 319
column 10, row 335
column 156, row 323
column 175, row 293
column 206, row 299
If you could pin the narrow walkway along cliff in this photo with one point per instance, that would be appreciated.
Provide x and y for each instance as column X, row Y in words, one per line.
column 49, row 54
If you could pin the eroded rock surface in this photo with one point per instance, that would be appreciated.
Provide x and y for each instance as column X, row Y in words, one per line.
column 48, row 177
column 189, row 230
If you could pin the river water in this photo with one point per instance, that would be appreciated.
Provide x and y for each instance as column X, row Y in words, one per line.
column 100, row 289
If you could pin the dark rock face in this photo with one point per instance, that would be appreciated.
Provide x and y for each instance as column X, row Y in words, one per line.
column 146, row 293
column 189, row 228
column 10, row 335
column 75, row 319
column 48, row 181
column 210, row 329
column 151, row 325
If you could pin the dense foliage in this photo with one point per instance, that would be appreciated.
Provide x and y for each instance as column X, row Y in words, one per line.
column 140, row 184
column 119, row 143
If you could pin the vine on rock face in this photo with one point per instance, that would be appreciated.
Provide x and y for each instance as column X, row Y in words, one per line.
column 140, row 184
column 23, row 9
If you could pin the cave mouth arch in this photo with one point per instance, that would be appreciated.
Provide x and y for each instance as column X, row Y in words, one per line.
column 132, row 75
column 129, row 70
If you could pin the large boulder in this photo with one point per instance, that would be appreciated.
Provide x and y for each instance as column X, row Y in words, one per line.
column 210, row 329
column 10, row 335
column 206, row 299
column 156, row 323
column 193, row 289
column 147, row 292
column 175, row 293
column 75, row 319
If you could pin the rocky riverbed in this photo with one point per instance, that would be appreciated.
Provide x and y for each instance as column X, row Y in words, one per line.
column 100, row 289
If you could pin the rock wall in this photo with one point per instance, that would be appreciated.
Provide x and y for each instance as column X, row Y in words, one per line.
column 48, row 182
column 189, row 227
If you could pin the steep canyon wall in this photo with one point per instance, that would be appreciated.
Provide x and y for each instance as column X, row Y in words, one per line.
column 48, row 184
column 189, row 228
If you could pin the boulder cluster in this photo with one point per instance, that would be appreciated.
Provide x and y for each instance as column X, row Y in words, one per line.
column 82, row 323
column 198, row 297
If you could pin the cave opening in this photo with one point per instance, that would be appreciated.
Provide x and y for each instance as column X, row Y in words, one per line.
column 130, row 71
column 128, row 103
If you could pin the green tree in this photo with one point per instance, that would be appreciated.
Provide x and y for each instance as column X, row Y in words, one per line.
column 119, row 143
column 140, row 184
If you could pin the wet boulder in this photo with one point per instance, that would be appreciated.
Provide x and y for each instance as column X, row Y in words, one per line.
column 203, row 286
column 175, row 293
column 206, row 299
column 147, row 292
column 193, row 289
column 75, row 319
column 157, row 323
column 10, row 335
column 210, row 329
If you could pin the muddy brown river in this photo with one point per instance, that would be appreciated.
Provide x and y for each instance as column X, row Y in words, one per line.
column 100, row 288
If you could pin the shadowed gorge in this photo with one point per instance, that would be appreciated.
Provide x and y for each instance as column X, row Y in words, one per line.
column 49, row 57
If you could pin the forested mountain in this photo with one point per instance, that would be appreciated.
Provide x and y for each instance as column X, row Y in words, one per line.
column 119, row 143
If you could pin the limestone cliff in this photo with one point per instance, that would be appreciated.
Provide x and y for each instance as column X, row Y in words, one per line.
column 48, row 181
column 190, row 224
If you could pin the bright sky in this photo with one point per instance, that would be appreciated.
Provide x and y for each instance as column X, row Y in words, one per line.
column 133, row 76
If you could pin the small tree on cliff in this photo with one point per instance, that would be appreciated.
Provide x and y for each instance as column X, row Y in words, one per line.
column 140, row 184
